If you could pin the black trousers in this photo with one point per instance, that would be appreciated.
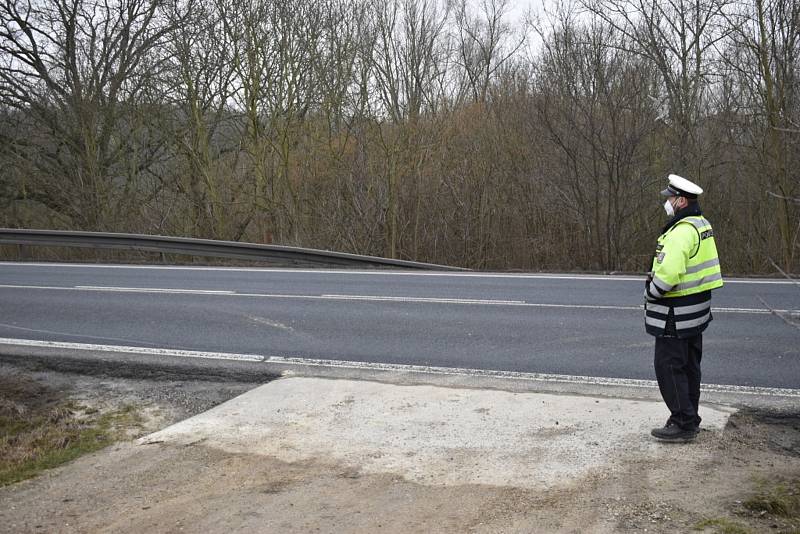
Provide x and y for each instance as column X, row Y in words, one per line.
column 677, row 363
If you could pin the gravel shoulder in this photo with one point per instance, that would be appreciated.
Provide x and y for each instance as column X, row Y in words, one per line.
column 175, row 485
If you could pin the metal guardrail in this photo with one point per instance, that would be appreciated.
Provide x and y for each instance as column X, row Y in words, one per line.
column 203, row 247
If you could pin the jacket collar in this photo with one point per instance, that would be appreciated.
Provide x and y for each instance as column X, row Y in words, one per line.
column 689, row 211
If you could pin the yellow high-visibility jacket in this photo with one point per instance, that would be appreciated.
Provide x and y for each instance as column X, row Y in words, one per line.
column 685, row 269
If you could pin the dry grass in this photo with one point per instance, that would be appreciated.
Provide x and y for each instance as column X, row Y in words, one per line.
column 721, row 526
column 41, row 428
column 781, row 499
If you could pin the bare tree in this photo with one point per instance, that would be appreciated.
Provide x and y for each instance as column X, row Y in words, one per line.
column 592, row 102
column 407, row 58
column 679, row 37
column 343, row 200
column 77, row 69
column 764, row 59
column 199, row 86
column 486, row 41
column 276, row 48
column 407, row 65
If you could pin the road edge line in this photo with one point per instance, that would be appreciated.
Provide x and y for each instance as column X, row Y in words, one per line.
column 453, row 376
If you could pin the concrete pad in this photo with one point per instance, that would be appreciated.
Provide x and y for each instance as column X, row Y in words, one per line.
column 439, row 435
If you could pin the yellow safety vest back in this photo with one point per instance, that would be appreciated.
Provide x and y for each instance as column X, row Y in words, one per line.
column 685, row 269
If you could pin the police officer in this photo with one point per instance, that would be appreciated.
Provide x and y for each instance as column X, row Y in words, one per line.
column 678, row 305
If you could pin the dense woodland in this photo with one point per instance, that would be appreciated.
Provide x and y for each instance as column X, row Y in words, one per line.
column 459, row 133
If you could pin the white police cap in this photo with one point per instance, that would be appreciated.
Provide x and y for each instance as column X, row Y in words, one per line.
column 681, row 187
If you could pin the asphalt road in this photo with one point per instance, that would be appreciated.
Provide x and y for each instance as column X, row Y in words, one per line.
column 561, row 324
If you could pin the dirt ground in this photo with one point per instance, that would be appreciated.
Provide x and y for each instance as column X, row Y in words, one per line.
column 129, row 487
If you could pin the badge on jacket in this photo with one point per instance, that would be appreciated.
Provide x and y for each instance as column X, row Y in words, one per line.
column 659, row 254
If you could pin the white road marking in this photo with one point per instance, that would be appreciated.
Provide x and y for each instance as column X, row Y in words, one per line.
column 751, row 310
column 380, row 298
column 273, row 324
column 156, row 290
column 67, row 334
column 552, row 276
column 422, row 299
column 144, row 351
column 404, row 368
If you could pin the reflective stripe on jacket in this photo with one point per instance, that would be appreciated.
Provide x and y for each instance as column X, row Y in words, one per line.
column 684, row 271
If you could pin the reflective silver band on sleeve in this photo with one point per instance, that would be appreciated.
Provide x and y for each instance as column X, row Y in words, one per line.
column 653, row 291
column 661, row 285
column 658, row 323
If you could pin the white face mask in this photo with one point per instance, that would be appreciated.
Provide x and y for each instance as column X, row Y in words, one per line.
column 668, row 208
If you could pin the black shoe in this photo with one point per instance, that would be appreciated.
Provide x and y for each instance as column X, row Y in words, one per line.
column 672, row 432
